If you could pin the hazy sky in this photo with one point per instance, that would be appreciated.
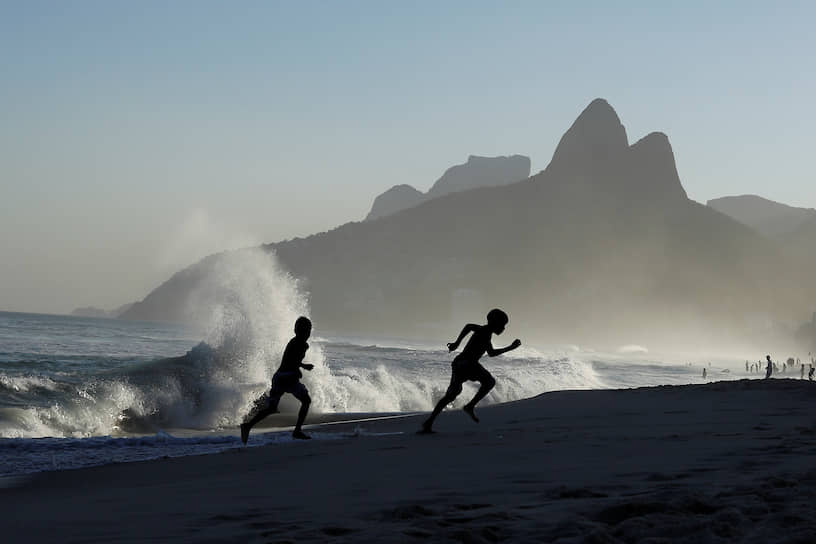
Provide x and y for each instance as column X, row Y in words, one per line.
column 137, row 137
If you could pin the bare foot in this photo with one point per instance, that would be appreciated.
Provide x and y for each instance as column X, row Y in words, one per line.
column 426, row 429
column 300, row 435
column 469, row 411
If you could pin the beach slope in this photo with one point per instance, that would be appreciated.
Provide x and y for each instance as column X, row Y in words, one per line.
column 720, row 462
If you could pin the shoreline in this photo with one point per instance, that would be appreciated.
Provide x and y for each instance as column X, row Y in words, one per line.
column 725, row 461
column 24, row 458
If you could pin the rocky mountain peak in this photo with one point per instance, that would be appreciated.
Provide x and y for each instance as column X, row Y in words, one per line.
column 596, row 137
column 476, row 172
column 652, row 169
column 398, row 197
column 481, row 172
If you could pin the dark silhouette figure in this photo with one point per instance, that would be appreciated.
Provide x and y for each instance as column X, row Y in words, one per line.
column 769, row 368
column 704, row 373
column 286, row 380
column 466, row 366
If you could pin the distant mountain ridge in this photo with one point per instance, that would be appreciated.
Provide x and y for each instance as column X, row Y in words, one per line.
column 476, row 172
column 395, row 199
column 93, row 311
column 772, row 219
column 602, row 245
column 793, row 228
column 89, row 311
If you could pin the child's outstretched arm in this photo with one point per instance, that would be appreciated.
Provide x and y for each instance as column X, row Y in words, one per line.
column 467, row 329
column 493, row 352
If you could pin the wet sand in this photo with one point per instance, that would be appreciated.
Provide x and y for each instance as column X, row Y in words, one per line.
column 721, row 462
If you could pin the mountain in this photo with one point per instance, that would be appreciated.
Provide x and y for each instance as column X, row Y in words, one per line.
column 476, row 172
column 594, row 154
column 395, row 199
column 794, row 228
column 481, row 172
column 802, row 241
column 772, row 219
column 92, row 311
column 172, row 300
column 116, row 312
column 602, row 246
column 89, row 311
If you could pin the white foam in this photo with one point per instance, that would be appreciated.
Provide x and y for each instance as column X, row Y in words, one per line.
column 632, row 349
column 26, row 382
column 248, row 305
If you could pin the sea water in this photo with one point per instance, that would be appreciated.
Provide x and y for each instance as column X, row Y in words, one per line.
column 81, row 391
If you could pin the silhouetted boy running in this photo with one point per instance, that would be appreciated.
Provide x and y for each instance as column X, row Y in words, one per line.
column 286, row 380
column 466, row 367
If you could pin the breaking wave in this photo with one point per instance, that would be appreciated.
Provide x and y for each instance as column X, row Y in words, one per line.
column 246, row 306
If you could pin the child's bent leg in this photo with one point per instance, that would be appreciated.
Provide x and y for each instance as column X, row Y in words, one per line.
column 302, row 394
column 487, row 382
column 485, row 388
column 259, row 412
column 453, row 391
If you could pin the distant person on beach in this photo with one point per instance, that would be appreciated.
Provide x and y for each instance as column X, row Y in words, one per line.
column 466, row 366
column 704, row 373
column 286, row 380
column 812, row 368
column 769, row 369
column 802, row 374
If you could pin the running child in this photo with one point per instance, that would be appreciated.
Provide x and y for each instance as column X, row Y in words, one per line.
column 286, row 380
column 466, row 366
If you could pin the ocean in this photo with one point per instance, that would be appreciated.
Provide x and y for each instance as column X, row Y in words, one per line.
column 79, row 391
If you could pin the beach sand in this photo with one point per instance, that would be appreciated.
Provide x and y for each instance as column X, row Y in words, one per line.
column 720, row 462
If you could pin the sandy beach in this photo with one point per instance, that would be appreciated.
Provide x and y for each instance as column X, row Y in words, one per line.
column 719, row 462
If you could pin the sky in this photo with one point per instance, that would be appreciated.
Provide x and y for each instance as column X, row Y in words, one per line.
column 139, row 137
